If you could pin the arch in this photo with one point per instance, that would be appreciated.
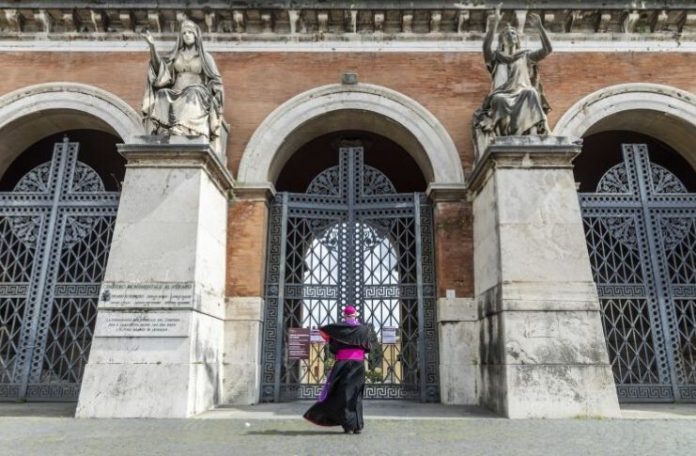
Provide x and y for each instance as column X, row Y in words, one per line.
column 366, row 107
column 32, row 113
column 663, row 112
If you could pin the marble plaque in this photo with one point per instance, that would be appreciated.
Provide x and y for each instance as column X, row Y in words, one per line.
column 153, row 295
column 142, row 324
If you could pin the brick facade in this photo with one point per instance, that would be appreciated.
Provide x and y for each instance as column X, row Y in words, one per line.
column 449, row 85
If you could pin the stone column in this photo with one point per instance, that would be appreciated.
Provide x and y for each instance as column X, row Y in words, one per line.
column 157, row 346
column 543, row 352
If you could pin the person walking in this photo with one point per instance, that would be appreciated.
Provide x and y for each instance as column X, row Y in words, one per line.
column 340, row 401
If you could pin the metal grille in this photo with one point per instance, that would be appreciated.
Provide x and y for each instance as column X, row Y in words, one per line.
column 55, row 231
column 640, row 228
column 351, row 239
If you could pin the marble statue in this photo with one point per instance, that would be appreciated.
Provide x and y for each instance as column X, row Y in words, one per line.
column 516, row 104
column 184, row 94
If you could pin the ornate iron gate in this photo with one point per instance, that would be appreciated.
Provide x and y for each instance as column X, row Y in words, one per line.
column 55, row 231
column 351, row 239
column 640, row 228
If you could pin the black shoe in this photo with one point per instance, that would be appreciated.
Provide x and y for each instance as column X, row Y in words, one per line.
column 357, row 431
column 346, row 430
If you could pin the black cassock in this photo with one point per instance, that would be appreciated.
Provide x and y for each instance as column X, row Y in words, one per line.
column 341, row 400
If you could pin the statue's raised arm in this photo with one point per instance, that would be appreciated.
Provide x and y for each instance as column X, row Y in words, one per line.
column 546, row 48
column 516, row 104
column 492, row 29
column 154, row 57
column 184, row 95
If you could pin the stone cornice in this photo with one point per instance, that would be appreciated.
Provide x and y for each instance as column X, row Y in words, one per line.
column 524, row 152
column 166, row 152
column 341, row 20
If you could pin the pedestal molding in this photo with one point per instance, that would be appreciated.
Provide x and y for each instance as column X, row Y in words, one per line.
column 160, row 155
column 524, row 152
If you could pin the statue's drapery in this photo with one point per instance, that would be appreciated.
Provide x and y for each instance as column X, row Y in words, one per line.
column 515, row 105
column 184, row 94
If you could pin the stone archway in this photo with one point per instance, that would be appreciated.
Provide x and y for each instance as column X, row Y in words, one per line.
column 32, row 113
column 663, row 112
column 364, row 107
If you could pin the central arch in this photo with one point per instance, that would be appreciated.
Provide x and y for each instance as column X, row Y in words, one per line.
column 362, row 106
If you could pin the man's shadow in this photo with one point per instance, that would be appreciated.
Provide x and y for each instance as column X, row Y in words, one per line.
column 292, row 433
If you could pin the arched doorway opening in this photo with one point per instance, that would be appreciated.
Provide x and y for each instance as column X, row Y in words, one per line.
column 58, row 203
column 638, row 201
column 350, row 225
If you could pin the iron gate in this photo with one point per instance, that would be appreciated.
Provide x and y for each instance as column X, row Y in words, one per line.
column 351, row 239
column 55, row 231
column 640, row 228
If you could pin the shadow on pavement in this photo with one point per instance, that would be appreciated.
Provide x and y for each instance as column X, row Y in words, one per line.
column 294, row 433
column 374, row 409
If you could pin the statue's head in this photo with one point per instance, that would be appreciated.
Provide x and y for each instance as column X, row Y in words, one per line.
column 509, row 39
column 190, row 33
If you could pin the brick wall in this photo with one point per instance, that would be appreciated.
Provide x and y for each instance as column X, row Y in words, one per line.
column 450, row 85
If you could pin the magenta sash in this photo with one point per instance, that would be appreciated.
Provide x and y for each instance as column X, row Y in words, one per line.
column 350, row 354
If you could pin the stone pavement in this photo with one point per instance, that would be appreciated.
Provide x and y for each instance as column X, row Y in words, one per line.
column 392, row 428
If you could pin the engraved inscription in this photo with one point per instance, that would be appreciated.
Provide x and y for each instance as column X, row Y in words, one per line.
column 147, row 295
column 142, row 324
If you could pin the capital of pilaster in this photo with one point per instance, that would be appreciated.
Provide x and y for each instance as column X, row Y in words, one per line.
column 262, row 191
column 440, row 193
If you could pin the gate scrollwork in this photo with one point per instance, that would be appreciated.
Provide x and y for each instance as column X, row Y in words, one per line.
column 640, row 227
column 351, row 239
column 55, row 231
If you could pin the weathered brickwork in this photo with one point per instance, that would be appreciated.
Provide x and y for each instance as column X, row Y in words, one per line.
column 454, row 250
column 246, row 248
column 450, row 85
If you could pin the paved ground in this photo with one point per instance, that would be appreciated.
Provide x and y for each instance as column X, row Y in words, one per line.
column 392, row 429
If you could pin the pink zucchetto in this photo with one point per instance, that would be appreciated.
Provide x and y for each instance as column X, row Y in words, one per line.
column 350, row 311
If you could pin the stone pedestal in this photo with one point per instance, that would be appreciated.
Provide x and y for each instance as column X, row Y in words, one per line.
column 543, row 352
column 241, row 363
column 157, row 347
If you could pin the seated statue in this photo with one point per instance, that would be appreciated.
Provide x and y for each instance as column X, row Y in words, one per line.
column 184, row 94
column 516, row 104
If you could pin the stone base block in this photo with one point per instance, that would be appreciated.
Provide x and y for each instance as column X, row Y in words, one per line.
column 156, row 377
column 459, row 384
column 494, row 388
column 459, row 351
column 560, row 391
column 241, row 358
column 137, row 391
column 240, row 384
